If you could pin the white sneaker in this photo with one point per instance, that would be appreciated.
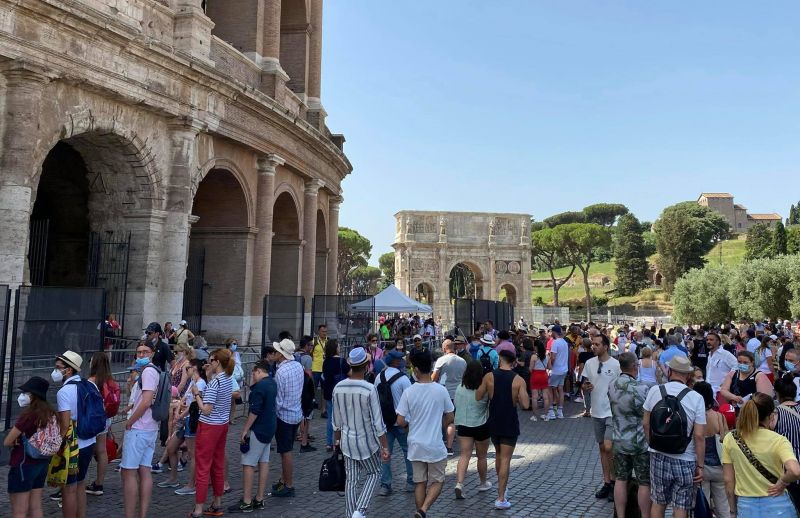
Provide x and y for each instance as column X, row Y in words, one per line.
column 358, row 514
column 545, row 417
column 533, row 418
column 578, row 399
column 502, row 504
column 486, row 486
column 560, row 414
column 459, row 492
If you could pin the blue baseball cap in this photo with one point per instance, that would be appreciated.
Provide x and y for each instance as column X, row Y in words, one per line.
column 393, row 355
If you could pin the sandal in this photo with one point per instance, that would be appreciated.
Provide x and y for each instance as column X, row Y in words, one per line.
column 192, row 515
column 213, row 511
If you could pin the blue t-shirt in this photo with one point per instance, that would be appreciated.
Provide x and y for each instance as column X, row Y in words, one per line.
column 667, row 355
column 262, row 404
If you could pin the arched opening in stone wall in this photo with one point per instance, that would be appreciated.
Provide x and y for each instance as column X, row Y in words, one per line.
column 295, row 40
column 90, row 200
column 464, row 282
column 321, row 267
column 424, row 293
column 221, row 235
column 508, row 293
column 286, row 249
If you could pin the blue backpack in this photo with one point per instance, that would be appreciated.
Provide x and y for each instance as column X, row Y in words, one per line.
column 91, row 410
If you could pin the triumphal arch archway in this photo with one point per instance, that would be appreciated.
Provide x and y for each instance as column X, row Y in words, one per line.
column 440, row 256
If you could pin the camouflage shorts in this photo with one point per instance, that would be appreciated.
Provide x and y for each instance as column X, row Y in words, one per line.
column 639, row 463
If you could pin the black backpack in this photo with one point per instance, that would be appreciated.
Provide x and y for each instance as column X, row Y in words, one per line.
column 486, row 360
column 307, row 395
column 385, row 398
column 669, row 423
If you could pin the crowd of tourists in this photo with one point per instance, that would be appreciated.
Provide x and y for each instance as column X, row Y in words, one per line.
column 671, row 409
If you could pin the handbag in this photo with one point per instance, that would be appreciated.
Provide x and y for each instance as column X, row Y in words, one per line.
column 332, row 473
column 194, row 416
column 702, row 509
column 112, row 447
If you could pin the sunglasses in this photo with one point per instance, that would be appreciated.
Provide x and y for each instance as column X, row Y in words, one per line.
column 600, row 368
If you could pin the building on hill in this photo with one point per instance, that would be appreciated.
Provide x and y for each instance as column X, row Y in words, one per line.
column 735, row 213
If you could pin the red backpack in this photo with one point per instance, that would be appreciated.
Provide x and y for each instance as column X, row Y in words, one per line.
column 111, row 397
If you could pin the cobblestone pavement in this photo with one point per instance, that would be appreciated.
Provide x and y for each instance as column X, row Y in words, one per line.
column 554, row 473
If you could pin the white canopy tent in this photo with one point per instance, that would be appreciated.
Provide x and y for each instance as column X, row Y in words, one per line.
column 391, row 300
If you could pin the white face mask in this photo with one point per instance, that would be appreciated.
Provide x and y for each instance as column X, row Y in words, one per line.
column 57, row 376
column 24, row 400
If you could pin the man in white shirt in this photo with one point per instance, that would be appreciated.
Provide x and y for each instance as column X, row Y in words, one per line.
column 752, row 343
column 425, row 407
column 395, row 433
column 449, row 370
column 598, row 373
column 559, row 365
column 67, row 371
column 674, row 475
column 720, row 362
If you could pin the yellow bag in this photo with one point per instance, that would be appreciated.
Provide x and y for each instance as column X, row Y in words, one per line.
column 65, row 462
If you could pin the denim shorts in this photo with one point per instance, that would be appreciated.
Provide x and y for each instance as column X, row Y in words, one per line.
column 772, row 506
column 26, row 477
column 85, row 456
column 556, row 380
column 186, row 432
column 138, row 447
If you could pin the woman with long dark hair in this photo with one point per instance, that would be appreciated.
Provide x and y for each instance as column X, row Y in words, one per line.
column 189, row 414
column 539, row 378
column 758, row 463
column 27, row 475
column 471, row 422
column 100, row 375
column 334, row 369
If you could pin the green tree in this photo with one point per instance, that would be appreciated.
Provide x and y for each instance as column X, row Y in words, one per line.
column 579, row 240
column 793, row 239
column 685, row 232
column 759, row 242
column 363, row 280
column 386, row 264
column 703, row 295
column 630, row 258
column 649, row 238
column 563, row 218
column 548, row 251
column 354, row 252
column 779, row 245
column 763, row 288
column 605, row 214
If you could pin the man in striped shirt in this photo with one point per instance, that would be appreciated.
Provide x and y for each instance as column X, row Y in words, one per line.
column 360, row 433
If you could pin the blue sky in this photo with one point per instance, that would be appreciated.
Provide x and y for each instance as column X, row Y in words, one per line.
column 540, row 107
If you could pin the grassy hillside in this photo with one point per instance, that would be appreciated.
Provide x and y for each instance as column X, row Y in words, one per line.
column 729, row 253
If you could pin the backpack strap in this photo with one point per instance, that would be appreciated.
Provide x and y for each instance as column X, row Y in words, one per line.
column 663, row 391
column 683, row 393
column 383, row 376
column 393, row 378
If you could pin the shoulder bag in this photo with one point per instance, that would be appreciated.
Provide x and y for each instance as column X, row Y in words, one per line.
column 767, row 474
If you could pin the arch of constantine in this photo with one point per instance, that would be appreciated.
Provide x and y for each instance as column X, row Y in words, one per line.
column 192, row 130
column 440, row 256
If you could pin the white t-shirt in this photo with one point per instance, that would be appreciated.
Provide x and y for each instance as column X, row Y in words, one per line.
column 188, row 397
column 423, row 405
column 451, row 369
column 67, row 399
column 763, row 359
column 753, row 344
column 693, row 405
column 609, row 371
column 560, row 349
column 720, row 363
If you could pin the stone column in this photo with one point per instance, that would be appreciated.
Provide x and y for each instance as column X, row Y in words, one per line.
column 310, row 207
column 273, row 77
column 25, row 83
column 182, row 139
column 331, row 287
column 316, row 113
column 262, row 256
column 143, row 301
column 192, row 31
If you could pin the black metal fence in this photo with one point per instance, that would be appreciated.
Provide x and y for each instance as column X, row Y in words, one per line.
column 107, row 268
column 343, row 323
column 469, row 313
column 46, row 322
column 282, row 313
column 193, row 289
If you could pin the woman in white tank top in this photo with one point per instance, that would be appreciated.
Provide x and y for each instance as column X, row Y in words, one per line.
column 647, row 368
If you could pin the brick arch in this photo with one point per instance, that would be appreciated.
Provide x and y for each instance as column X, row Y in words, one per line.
column 233, row 168
column 120, row 164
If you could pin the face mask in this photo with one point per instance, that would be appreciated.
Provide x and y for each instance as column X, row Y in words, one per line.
column 744, row 367
column 141, row 362
column 234, row 346
column 24, row 400
column 789, row 366
column 57, row 376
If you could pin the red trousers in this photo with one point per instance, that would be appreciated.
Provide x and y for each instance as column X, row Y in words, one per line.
column 209, row 460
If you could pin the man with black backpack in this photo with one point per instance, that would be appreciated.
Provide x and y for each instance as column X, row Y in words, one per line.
column 674, row 424
column 391, row 383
